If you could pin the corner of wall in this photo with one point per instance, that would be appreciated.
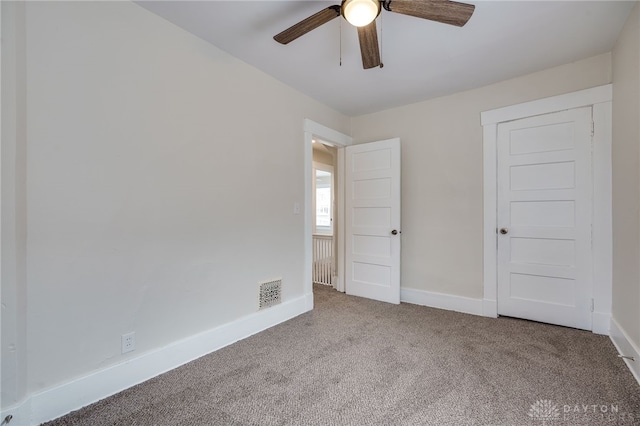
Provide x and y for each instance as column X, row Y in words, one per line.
column 13, row 194
column 626, row 348
column 625, row 323
column 80, row 392
column 20, row 413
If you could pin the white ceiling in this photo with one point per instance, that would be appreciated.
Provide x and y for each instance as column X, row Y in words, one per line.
column 422, row 59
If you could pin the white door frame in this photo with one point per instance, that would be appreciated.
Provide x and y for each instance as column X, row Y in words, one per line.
column 600, row 99
column 313, row 130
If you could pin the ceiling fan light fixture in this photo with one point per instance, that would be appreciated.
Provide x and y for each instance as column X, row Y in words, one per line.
column 360, row 13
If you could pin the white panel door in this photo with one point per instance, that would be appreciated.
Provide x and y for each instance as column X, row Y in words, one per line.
column 372, row 216
column 544, row 218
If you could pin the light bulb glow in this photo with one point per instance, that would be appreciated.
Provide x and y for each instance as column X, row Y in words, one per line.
column 360, row 13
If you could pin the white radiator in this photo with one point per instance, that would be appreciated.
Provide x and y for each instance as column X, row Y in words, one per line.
column 323, row 260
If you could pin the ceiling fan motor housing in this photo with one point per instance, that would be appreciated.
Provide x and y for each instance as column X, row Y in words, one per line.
column 360, row 13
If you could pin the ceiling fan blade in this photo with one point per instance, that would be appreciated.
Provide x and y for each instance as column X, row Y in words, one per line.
column 447, row 12
column 369, row 49
column 306, row 25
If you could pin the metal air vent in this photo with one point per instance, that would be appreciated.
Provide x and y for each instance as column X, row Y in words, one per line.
column 270, row 293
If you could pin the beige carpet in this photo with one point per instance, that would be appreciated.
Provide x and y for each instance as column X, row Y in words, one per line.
column 354, row 361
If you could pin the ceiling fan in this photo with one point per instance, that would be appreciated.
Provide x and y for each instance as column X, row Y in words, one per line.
column 362, row 14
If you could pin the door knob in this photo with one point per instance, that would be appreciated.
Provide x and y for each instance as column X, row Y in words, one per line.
column 504, row 231
column 394, row 232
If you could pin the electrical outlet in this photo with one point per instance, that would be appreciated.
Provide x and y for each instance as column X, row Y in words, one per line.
column 128, row 342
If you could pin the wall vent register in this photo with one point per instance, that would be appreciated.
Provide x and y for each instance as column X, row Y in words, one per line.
column 270, row 293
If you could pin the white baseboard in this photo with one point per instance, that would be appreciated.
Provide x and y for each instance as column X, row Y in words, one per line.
column 600, row 323
column 308, row 302
column 627, row 347
column 442, row 301
column 19, row 413
column 481, row 307
column 60, row 400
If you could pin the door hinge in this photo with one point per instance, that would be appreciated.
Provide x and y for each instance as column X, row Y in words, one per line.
column 593, row 128
column 592, row 305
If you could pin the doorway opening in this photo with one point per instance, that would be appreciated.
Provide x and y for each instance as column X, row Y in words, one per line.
column 338, row 141
column 323, row 210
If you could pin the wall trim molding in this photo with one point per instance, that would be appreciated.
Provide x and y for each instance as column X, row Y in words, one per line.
column 57, row 401
column 581, row 98
column 625, row 346
column 309, row 302
column 448, row 302
column 19, row 412
column 490, row 308
column 339, row 140
column 326, row 134
column 481, row 307
column 601, row 323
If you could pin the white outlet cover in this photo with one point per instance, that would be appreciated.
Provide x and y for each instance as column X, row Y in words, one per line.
column 128, row 342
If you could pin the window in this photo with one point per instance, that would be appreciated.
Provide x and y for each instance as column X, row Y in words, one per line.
column 323, row 199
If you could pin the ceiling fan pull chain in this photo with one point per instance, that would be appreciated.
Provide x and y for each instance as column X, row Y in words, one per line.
column 341, row 42
column 381, row 42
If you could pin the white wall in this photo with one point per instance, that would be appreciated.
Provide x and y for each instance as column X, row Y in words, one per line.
column 160, row 178
column 442, row 171
column 13, row 353
column 626, row 178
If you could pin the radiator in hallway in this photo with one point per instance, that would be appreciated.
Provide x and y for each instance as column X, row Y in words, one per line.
column 324, row 268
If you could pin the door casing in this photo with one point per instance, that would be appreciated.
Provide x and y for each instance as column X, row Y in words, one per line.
column 313, row 130
column 600, row 99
